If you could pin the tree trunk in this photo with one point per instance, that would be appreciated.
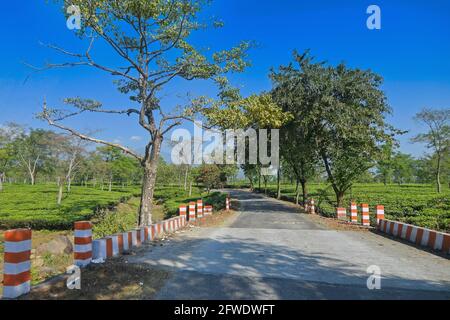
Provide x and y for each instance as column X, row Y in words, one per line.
column 438, row 174
column 252, row 188
column 148, row 186
column 186, row 178
column 190, row 189
column 278, row 184
column 60, row 191
column 304, row 191
column 340, row 199
column 1, row 181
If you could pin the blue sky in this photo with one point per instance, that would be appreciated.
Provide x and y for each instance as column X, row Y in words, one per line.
column 411, row 52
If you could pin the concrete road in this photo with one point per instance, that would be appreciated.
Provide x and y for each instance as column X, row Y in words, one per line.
column 271, row 251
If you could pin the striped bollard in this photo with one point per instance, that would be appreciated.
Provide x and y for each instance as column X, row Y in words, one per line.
column 354, row 212
column 112, row 246
column 137, row 234
column 312, row 208
column 154, row 231
column 365, row 215
column 166, row 226
column 133, row 239
column 200, row 209
column 341, row 213
column 99, row 250
column 120, row 240
column 380, row 213
column 307, row 206
column 83, row 243
column 17, row 264
column 143, row 235
column 183, row 210
column 191, row 211
column 227, row 204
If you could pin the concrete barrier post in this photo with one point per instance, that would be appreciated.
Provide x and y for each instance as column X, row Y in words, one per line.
column 183, row 210
column 99, row 249
column 312, row 208
column 354, row 212
column 200, row 209
column 17, row 264
column 112, row 246
column 83, row 243
column 191, row 211
column 380, row 213
column 341, row 214
column 365, row 215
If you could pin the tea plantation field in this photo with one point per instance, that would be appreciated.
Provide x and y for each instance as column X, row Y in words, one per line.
column 36, row 206
column 411, row 203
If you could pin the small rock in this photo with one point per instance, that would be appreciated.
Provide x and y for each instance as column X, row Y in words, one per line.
column 57, row 246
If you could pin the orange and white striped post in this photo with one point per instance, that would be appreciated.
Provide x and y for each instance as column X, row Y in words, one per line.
column 365, row 215
column 200, row 208
column 120, row 240
column 154, row 231
column 354, row 212
column 380, row 213
column 82, row 252
column 99, row 250
column 112, row 246
column 341, row 213
column 183, row 210
column 192, row 211
column 17, row 264
column 312, row 208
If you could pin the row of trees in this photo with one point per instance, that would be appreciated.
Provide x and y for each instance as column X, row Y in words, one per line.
column 42, row 156
column 27, row 155
column 337, row 131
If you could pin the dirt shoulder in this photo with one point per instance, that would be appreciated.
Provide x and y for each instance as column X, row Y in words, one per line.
column 335, row 224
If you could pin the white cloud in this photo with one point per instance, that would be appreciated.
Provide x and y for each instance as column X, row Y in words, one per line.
column 136, row 138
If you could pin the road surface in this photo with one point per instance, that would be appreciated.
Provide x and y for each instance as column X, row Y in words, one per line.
column 271, row 251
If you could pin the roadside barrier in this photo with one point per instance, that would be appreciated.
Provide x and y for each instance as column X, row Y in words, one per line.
column 112, row 246
column 17, row 264
column 99, row 249
column 82, row 252
column 200, row 209
column 208, row 210
column 365, row 215
column 341, row 213
column 435, row 240
column 183, row 210
column 380, row 213
column 354, row 212
column 17, row 247
column 191, row 211
column 227, row 203
column 312, row 208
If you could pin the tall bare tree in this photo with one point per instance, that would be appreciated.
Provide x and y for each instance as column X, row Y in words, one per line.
column 151, row 39
column 437, row 138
